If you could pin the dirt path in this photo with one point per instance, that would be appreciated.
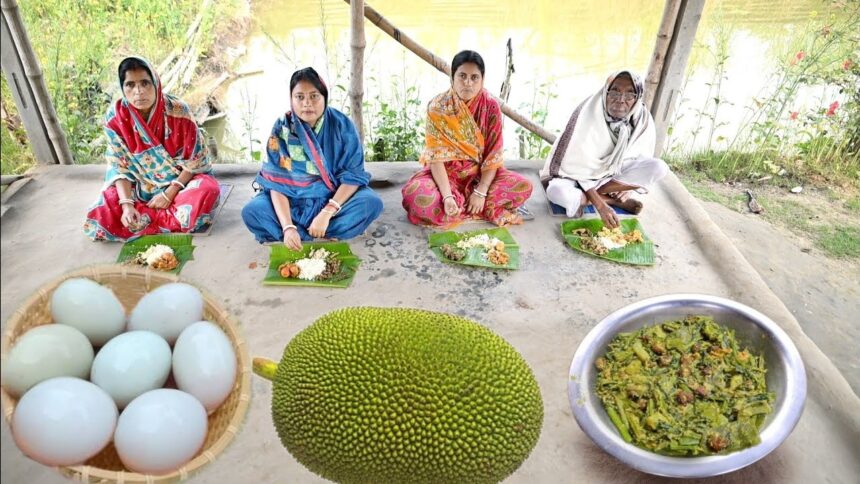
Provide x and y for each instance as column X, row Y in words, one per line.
column 821, row 292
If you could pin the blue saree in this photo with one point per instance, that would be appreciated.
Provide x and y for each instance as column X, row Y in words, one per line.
column 307, row 165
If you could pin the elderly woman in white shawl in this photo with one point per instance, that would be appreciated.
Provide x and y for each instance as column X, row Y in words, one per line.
column 605, row 152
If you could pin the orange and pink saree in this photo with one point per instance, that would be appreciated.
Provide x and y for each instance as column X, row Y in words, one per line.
column 467, row 138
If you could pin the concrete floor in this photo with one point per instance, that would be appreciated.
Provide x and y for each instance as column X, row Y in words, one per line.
column 544, row 309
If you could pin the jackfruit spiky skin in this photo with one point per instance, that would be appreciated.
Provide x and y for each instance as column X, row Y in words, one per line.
column 382, row 395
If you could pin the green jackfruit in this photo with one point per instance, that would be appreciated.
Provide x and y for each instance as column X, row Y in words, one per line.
column 404, row 395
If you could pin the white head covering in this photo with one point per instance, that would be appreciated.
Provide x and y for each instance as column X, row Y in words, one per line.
column 594, row 144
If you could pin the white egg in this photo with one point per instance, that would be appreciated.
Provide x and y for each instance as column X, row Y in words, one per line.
column 44, row 352
column 204, row 364
column 63, row 421
column 90, row 307
column 159, row 431
column 168, row 310
column 131, row 364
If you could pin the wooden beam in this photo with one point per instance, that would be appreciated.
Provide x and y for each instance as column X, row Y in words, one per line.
column 356, row 78
column 442, row 66
column 24, row 56
column 23, row 97
column 674, row 67
column 505, row 91
column 661, row 47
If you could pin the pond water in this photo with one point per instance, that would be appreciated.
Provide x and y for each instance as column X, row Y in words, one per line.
column 565, row 49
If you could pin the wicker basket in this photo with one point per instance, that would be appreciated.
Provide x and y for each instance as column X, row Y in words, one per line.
column 130, row 284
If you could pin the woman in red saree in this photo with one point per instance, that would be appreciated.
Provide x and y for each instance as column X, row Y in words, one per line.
column 158, row 176
column 463, row 177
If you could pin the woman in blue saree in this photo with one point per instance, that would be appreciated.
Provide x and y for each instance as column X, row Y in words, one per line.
column 313, row 180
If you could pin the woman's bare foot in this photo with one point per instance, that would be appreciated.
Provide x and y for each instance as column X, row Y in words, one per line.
column 622, row 196
column 628, row 204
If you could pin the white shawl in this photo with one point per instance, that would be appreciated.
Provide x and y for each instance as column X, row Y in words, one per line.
column 593, row 145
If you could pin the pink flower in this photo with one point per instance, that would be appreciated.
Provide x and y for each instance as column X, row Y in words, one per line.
column 798, row 57
column 847, row 64
column 832, row 110
column 793, row 115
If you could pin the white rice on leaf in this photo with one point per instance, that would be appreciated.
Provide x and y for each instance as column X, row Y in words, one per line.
column 310, row 269
column 154, row 253
column 481, row 240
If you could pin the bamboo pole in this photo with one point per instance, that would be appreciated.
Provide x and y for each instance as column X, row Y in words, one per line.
column 505, row 92
column 37, row 81
column 188, row 33
column 661, row 48
column 443, row 67
column 356, row 84
column 177, row 69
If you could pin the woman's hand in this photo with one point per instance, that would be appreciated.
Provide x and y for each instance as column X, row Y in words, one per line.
column 130, row 215
column 319, row 224
column 476, row 204
column 161, row 200
column 607, row 214
column 450, row 206
column 292, row 239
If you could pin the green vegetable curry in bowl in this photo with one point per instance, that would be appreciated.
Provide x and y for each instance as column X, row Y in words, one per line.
column 687, row 385
column 684, row 387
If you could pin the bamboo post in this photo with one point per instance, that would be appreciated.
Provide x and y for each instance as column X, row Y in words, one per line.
column 356, row 78
column 661, row 48
column 36, row 81
column 505, row 92
column 674, row 67
column 377, row 19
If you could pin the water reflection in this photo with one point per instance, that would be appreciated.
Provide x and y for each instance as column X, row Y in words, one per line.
column 569, row 47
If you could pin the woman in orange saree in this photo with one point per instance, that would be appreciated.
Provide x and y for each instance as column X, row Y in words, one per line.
column 463, row 176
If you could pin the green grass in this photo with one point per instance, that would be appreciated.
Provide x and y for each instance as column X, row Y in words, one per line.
column 834, row 239
column 837, row 168
column 837, row 236
column 15, row 158
column 789, row 213
column 698, row 189
column 840, row 241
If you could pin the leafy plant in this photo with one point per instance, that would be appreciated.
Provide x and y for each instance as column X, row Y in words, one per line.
column 79, row 58
column 530, row 145
column 397, row 126
column 779, row 138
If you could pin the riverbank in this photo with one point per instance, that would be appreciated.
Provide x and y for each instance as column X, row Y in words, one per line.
column 79, row 59
column 825, row 218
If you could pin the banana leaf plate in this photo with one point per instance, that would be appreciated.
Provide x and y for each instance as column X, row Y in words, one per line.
column 476, row 256
column 281, row 254
column 181, row 244
column 636, row 254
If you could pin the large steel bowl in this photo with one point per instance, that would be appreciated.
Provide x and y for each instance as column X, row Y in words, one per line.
column 786, row 377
